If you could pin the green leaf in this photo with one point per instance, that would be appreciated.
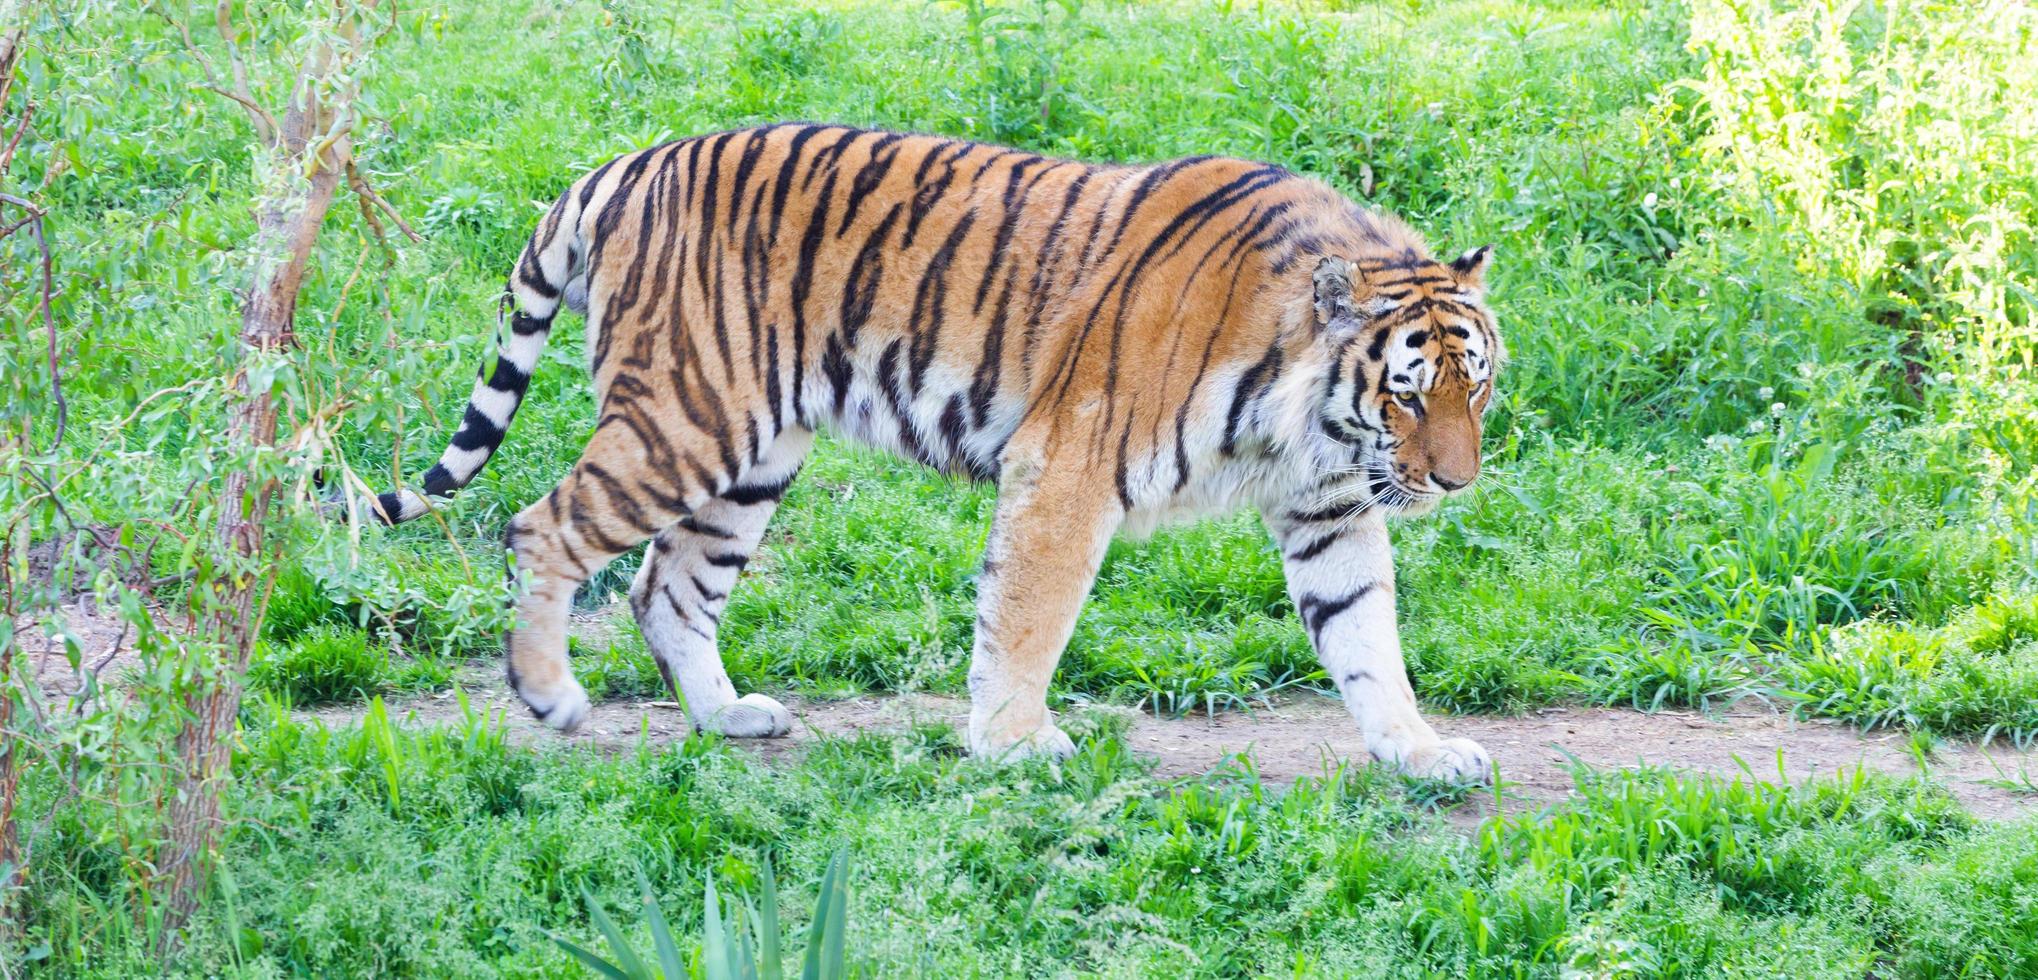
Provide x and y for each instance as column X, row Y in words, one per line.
column 715, row 942
column 744, row 953
column 773, row 965
column 591, row 961
column 626, row 958
column 824, row 959
column 661, row 933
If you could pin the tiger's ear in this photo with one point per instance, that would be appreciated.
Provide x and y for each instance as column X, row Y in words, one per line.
column 1336, row 311
column 1470, row 268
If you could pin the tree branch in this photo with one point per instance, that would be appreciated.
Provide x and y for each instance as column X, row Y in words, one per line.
column 49, row 320
column 370, row 201
column 20, row 130
column 265, row 124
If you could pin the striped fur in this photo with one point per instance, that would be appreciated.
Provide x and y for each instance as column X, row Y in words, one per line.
column 1115, row 346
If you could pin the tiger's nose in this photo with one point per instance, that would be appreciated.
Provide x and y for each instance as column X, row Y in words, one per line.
column 1448, row 484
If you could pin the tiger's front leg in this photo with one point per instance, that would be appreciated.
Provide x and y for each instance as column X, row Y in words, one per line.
column 1341, row 577
column 1046, row 542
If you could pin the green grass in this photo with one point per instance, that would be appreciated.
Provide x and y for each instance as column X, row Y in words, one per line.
column 384, row 851
column 332, row 665
column 1768, row 429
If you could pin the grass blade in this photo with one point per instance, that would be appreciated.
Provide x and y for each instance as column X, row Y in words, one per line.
column 626, row 958
column 810, row 968
column 669, row 962
column 591, row 961
column 824, row 959
column 745, row 953
column 773, row 965
column 714, row 941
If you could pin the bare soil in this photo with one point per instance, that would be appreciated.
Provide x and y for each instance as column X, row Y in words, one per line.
column 105, row 645
column 1301, row 736
column 1285, row 740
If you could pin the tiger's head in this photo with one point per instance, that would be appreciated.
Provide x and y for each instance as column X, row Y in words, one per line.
column 1413, row 352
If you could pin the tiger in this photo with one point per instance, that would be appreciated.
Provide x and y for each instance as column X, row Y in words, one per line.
column 1115, row 347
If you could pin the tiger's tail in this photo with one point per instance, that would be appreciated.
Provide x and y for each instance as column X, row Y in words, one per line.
column 550, row 273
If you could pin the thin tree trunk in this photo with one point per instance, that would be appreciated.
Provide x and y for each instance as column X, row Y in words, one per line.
column 308, row 161
column 10, row 763
column 11, row 441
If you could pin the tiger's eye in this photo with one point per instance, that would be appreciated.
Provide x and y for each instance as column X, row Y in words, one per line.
column 1405, row 397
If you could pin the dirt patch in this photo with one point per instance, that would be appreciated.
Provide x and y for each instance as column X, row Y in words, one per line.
column 1301, row 736
column 105, row 645
column 1295, row 737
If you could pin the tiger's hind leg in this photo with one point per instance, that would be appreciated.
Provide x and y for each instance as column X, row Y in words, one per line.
column 609, row 503
column 684, row 585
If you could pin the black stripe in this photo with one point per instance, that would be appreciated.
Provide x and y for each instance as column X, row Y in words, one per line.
column 895, row 396
column 508, row 377
column 1218, row 202
column 625, row 297
column 835, row 367
column 1314, row 548
column 953, row 426
column 1017, row 188
column 930, row 301
column 1252, row 234
column 803, row 284
column 1126, row 280
column 711, row 198
column 1252, row 385
column 756, row 294
column 620, row 500
column 1332, row 512
column 828, row 157
column 477, row 431
column 868, row 177
column 782, row 184
column 697, row 526
column 1050, row 253
column 1317, row 611
column 1119, row 469
column 1378, row 345
column 929, row 193
column 593, row 181
column 747, row 162
column 439, row 481
column 859, row 292
column 1153, row 179
column 1203, row 365
column 707, row 594
column 984, row 383
column 744, row 496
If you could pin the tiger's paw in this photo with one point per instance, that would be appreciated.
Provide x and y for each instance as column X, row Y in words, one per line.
column 1459, row 760
column 1046, row 741
column 750, row 716
column 564, row 707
